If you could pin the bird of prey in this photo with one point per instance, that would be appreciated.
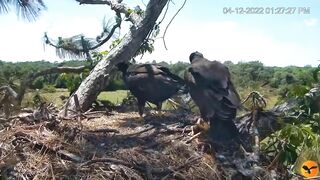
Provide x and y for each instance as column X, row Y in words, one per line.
column 213, row 92
column 151, row 83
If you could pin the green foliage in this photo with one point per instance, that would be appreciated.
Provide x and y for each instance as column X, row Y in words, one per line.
column 115, row 84
column 291, row 75
column 49, row 89
column 98, row 56
column 129, row 12
column 115, row 43
column 129, row 100
column 146, row 46
column 137, row 10
column 249, row 72
column 37, row 83
column 289, row 142
column 37, row 99
column 246, row 75
column 72, row 81
column 303, row 131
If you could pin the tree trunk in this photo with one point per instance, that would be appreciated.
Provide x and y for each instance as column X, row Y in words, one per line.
column 99, row 77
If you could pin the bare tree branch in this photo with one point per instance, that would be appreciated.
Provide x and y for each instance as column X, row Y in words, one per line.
column 9, row 90
column 53, row 70
column 9, row 98
column 107, row 38
column 118, row 7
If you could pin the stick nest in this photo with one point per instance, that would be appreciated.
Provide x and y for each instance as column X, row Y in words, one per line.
column 104, row 146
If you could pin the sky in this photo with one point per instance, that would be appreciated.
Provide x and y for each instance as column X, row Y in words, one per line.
column 206, row 26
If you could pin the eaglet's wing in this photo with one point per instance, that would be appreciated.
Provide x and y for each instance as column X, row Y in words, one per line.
column 215, row 76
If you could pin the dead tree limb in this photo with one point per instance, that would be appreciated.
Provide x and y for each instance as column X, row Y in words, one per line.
column 9, row 99
column 121, row 8
column 9, row 90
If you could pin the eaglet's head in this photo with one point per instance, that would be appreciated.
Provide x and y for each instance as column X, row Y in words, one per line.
column 195, row 55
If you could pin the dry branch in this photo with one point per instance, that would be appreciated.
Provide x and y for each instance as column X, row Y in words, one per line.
column 105, row 130
column 111, row 160
column 60, row 70
column 194, row 137
column 9, row 91
column 118, row 7
column 9, row 99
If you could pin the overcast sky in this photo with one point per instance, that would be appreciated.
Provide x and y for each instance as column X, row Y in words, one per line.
column 274, row 39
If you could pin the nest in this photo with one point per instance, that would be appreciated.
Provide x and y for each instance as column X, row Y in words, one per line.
column 104, row 146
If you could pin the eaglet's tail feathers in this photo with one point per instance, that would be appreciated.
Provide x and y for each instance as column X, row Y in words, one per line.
column 222, row 130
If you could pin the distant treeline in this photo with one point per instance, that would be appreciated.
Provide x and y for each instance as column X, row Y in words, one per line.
column 245, row 74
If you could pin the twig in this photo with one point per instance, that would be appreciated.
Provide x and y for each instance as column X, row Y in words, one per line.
column 103, row 130
column 165, row 31
column 186, row 164
column 152, row 145
column 193, row 137
column 77, row 104
column 111, row 160
column 36, row 144
column 79, row 111
column 274, row 161
column 143, row 3
column 174, row 103
column 142, row 131
column 94, row 112
column 256, row 148
column 164, row 15
column 52, row 173
column 66, row 105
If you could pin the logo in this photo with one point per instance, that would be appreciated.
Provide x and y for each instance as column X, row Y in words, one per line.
column 309, row 169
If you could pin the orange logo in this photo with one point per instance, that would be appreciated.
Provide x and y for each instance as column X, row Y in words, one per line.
column 309, row 169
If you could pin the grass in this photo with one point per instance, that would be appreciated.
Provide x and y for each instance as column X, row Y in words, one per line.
column 52, row 97
column 115, row 97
